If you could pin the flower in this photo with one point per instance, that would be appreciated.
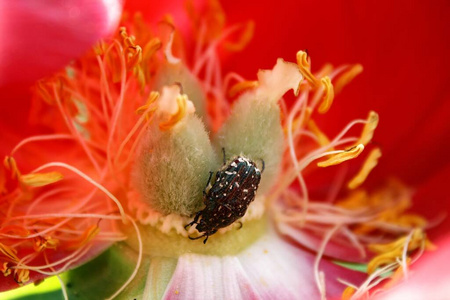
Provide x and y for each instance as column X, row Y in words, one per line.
column 164, row 181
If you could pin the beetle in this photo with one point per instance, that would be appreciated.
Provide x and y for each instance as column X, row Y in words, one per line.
column 228, row 198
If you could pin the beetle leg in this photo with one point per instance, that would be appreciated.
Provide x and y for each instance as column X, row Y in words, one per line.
column 208, row 234
column 197, row 216
column 198, row 237
column 208, row 183
column 240, row 223
column 263, row 165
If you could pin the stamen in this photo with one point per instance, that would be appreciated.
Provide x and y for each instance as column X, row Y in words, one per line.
column 244, row 39
column 369, row 164
column 133, row 51
column 11, row 165
column 9, row 253
column 87, row 178
column 317, row 274
column 21, row 276
column 146, row 107
column 150, row 49
column 342, row 156
column 241, row 87
column 304, row 66
column 393, row 251
column 48, row 137
column 348, row 293
column 87, row 236
column 329, row 95
column 347, row 77
column 45, row 243
column 369, row 128
column 5, row 269
column 321, row 137
column 41, row 179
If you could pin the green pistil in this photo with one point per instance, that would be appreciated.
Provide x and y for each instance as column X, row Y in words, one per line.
column 232, row 242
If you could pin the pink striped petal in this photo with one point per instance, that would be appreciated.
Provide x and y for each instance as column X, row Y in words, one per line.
column 269, row 269
column 41, row 36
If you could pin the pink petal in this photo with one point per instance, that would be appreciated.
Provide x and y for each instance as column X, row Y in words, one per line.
column 429, row 279
column 41, row 36
column 271, row 268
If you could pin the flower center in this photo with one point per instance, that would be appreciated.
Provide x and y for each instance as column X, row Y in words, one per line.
column 173, row 244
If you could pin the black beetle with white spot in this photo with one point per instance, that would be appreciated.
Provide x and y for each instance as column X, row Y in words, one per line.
column 228, row 198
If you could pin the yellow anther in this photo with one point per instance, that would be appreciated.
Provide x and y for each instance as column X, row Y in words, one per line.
column 411, row 220
column 87, row 236
column 5, row 269
column 175, row 118
column 390, row 252
column 369, row 128
column 151, row 99
column 128, row 41
column 305, row 68
column 10, row 164
column 342, row 156
column 134, row 56
column 133, row 51
column 9, row 253
column 348, row 293
column 150, row 48
column 381, row 260
column 21, row 276
column 329, row 95
column 41, row 179
column 347, row 77
column 417, row 239
column 48, row 242
column 244, row 39
column 356, row 200
column 369, row 164
column 321, row 137
column 242, row 86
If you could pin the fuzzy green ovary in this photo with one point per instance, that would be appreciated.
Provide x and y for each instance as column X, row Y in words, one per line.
column 254, row 130
column 173, row 167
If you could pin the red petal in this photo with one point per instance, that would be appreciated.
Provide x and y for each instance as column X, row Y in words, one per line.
column 403, row 48
column 40, row 37
column 432, row 201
